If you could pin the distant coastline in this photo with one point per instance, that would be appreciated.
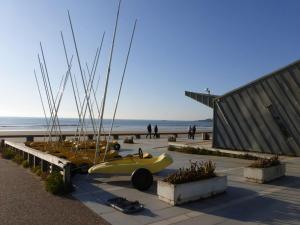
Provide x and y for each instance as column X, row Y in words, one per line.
column 37, row 123
column 206, row 120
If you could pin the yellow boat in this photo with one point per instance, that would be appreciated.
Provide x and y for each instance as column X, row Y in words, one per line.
column 127, row 165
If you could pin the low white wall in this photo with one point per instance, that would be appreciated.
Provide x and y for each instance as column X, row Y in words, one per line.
column 176, row 194
column 262, row 175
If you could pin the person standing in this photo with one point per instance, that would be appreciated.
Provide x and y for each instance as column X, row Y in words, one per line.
column 155, row 132
column 194, row 132
column 149, row 128
column 190, row 132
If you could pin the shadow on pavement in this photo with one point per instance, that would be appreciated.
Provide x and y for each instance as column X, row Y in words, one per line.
column 245, row 205
column 90, row 194
column 287, row 181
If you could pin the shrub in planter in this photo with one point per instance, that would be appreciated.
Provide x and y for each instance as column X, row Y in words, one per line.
column 197, row 181
column 129, row 140
column 25, row 164
column 55, row 184
column 264, row 170
column 18, row 159
column 172, row 148
column 202, row 151
column 196, row 171
column 266, row 162
column 172, row 139
column 8, row 153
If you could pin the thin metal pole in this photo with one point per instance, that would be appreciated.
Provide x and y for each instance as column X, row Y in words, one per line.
column 77, row 90
column 62, row 91
column 41, row 98
column 117, row 102
column 51, row 93
column 89, row 82
column 106, row 83
column 73, row 88
column 44, row 81
column 93, row 90
column 85, row 90
column 95, row 100
column 83, row 124
column 94, row 73
column 94, row 69
column 59, row 88
column 47, row 94
column 45, row 72
column 57, row 94
column 84, row 106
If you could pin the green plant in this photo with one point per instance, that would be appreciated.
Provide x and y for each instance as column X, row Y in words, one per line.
column 37, row 170
column 44, row 175
column 25, row 163
column 18, row 159
column 8, row 153
column 201, row 151
column 55, row 184
column 129, row 140
column 196, row 171
column 266, row 162
column 172, row 148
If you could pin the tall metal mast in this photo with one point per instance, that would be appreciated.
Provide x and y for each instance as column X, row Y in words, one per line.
column 106, row 84
column 62, row 91
column 84, row 106
column 119, row 93
column 47, row 95
column 71, row 78
column 41, row 98
column 78, row 59
column 50, row 89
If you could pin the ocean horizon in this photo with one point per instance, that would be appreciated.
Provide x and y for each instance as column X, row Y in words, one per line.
column 70, row 124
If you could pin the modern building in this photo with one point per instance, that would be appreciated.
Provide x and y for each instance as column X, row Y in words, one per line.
column 262, row 116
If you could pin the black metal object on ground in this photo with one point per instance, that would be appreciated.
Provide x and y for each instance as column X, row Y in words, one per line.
column 125, row 206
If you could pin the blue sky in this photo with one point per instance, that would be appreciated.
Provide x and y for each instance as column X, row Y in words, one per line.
column 179, row 45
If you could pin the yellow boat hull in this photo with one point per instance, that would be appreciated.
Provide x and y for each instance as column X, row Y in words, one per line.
column 128, row 165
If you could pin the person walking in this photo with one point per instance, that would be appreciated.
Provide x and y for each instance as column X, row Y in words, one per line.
column 194, row 132
column 190, row 132
column 155, row 132
column 149, row 128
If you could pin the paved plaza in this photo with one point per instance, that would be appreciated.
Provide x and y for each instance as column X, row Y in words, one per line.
column 243, row 203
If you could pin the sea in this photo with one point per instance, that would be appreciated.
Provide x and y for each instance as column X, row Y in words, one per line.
column 70, row 124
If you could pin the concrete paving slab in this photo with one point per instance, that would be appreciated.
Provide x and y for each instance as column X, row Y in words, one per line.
column 243, row 202
column 94, row 203
column 119, row 218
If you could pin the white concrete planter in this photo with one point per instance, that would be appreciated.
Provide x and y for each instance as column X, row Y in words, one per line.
column 263, row 175
column 176, row 194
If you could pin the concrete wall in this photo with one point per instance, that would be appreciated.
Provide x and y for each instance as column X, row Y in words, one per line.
column 263, row 116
